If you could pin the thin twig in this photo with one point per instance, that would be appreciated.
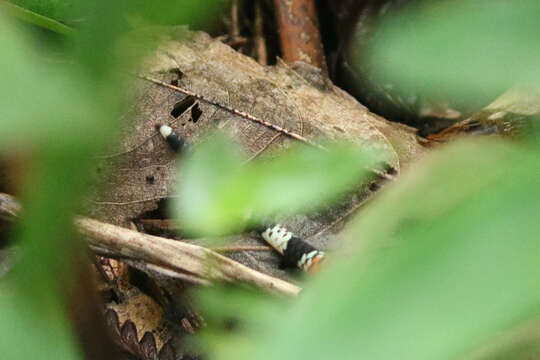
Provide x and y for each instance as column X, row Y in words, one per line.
column 229, row 249
column 130, row 202
column 263, row 148
column 163, row 224
column 147, row 267
column 234, row 111
column 178, row 275
column 136, row 147
column 130, row 150
column 146, row 167
column 343, row 217
column 165, row 271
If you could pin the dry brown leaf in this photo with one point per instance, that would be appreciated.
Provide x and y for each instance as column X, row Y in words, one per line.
column 297, row 98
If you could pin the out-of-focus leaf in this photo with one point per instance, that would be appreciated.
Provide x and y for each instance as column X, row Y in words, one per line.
column 195, row 13
column 112, row 19
column 41, row 102
column 35, row 290
column 438, row 265
column 35, row 18
column 59, row 114
column 59, row 10
column 519, row 343
column 204, row 174
column 462, row 48
column 26, row 332
column 192, row 12
column 218, row 195
column 233, row 313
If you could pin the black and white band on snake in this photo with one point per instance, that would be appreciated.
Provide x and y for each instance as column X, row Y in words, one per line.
column 175, row 142
column 296, row 252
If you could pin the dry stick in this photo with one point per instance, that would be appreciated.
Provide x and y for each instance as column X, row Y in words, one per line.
column 234, row 111
column 240, row 41
column 260, row 44
column 178, row 256
column 235, row 28
column 175, row 274
column 165, row 253
column 299, row 32
column 164, row 271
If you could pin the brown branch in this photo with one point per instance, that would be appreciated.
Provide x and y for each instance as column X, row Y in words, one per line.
column 178, row 256
column 235, row 27
column 172, row 255
column 260, row 44
column 299, row 32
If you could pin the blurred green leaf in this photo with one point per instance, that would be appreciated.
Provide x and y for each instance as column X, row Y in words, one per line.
column 219, row 195
column 110, row 20
column 234, row 314
column 59, row 10
column 519, row 343
column 59, row 113
column 35, row 18
column 44, row 103
column 26, row 332
column 204, row 174
column 462, row 48
column 441, row 263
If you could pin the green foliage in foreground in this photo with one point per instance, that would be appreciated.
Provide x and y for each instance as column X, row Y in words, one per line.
column 60, row 112
column 437, row 267
column 220, row 193
column 460, row 49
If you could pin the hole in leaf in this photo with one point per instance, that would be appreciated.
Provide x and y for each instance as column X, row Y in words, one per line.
column 182, row 106
column 178, row 72
column 196, row 113
column 161, row 212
